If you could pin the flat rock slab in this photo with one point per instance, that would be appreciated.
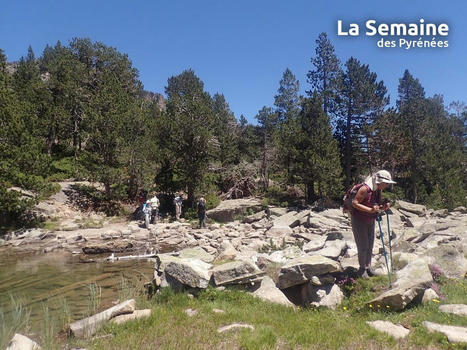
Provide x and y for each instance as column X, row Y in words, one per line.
column 332, row 249
column 315, row 243
column 412, row 208
column 20, row 342
column 133, row 316
column 88, row 326
column 396, row 331
column 456, row 309
column 195, row 253
column 269, row 292
column 301, row 270
column 453, row 333
column 234, row 326
column 235, row 272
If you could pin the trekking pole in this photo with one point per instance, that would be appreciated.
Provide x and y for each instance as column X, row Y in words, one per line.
column 390, row 244
column 378, row 218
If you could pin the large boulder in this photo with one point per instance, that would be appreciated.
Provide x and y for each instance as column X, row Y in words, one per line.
column 235, row 272
column 411, row 208
column 192, row 273
column 450, row 259
column 302, row 269
column 410, row 285
column 269, row 292
column 227, row 210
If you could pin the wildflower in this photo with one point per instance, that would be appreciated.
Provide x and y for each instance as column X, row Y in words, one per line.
column 387, row 306
column 371, row 306
column 436, row 300
column 379, row 305
column 345, row 308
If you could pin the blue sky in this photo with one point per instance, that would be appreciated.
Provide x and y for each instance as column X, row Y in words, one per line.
column 241, row 48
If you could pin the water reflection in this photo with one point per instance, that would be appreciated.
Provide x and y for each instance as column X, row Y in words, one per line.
column 57, row 278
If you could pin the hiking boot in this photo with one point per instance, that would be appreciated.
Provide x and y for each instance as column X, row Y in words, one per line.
column 370, row 272
column 360, row 272
column 365, row 275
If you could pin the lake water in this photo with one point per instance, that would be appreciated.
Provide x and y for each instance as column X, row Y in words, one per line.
column 56, row 282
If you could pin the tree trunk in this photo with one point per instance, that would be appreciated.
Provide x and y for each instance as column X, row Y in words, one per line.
column 191, row 194
column 310, row 192
column 107, row 189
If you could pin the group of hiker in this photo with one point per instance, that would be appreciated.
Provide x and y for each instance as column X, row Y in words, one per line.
column 154, row 204
column 363, row 202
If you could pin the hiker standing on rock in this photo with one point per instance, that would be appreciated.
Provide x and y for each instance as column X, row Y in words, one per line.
column 155, row 203
column 178, row 206
column 365, row 207
column 201, row 209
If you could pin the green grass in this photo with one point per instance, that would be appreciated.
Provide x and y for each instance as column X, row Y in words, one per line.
column 51, row 225
column 87, row 223
column 276, row 326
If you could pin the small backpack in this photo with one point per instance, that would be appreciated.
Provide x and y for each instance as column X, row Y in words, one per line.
column 349, row 197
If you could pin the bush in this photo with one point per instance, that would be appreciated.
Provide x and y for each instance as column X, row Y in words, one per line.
column 212, row 201
column 12, row 207
column 65, row 167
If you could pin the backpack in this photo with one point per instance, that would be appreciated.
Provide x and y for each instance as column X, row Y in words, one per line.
column 349, row 197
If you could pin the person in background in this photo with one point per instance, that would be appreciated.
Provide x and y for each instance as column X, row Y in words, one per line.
column 201, row 209
column 365, row 207
column 155, row 203
column 142, row 195
column 178, row 206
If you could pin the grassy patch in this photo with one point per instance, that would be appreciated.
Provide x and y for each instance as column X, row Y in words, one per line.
column 51, row 225
column 90, row 223
column 276, row 326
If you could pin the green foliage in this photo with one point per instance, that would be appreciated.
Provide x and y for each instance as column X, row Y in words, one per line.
column 212, row 200
column 278, row 326
column 79, row 111
column 185, row 131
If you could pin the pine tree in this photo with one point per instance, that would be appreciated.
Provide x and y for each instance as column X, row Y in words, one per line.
column 323, row 78
column 317, row 156
column 287, row 103
column 267, row 121
column 186, row 133
column 225, row 131
column 411, row 105
column 361, row 99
